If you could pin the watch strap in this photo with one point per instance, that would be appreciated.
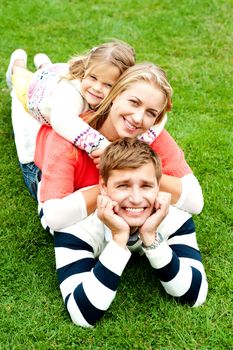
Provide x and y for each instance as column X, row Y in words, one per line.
column 158, row 240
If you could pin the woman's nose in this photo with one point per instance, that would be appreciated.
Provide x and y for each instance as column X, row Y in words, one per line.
column 138, row 117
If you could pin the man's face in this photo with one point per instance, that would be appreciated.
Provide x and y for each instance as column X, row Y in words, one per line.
column 135, row 191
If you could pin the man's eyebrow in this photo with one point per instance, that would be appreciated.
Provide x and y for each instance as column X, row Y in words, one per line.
column 148, row 182
column 126, row 181
column 123, row 181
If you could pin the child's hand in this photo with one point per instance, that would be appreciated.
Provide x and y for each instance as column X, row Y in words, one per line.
column 95, row 155
column 106, row 211
column 150, row 226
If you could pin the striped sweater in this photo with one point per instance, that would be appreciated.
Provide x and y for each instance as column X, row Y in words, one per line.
column 89, row 265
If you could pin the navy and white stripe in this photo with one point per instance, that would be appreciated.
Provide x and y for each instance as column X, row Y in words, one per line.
column 183, row 275
column 88, row 285
column 89, row 267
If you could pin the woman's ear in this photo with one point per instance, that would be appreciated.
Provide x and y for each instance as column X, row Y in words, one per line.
column 103, row 186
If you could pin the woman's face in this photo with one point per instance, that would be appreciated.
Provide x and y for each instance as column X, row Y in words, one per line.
column 134, row 111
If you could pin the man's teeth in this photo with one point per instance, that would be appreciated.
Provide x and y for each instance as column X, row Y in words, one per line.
column 138, row 210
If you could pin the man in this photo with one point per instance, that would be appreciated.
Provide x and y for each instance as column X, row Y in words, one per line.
column 131, row 216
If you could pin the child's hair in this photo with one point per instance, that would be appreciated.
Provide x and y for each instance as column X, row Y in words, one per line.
column 128, row 153
column 116, row 52
column 145, row 71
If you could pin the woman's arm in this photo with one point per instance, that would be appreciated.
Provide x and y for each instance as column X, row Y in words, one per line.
column 178, row 178
column 171, row 185
column 66, row 211
column 65, row 171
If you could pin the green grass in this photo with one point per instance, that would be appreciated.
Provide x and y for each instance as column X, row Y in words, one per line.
column 192, row 40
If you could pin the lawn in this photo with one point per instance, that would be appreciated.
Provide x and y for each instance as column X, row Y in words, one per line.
column 193, row 41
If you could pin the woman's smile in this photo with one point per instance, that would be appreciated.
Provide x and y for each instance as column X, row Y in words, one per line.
column 129, row 125
column 131, row 111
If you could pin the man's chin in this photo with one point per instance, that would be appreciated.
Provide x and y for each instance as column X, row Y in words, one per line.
column 135, row 222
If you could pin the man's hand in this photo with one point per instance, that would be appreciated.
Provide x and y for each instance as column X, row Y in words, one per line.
column 106, row 211
column 148, row 229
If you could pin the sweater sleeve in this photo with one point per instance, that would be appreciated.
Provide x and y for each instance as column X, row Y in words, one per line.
column 88, row 286
column 63, row 212
column 191, row 199
column 178, row 264
column 150, row 135
column 56, row 158
column 67, row 104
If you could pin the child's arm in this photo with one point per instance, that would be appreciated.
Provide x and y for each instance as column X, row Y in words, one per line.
column 66, row 106
column 150, row 135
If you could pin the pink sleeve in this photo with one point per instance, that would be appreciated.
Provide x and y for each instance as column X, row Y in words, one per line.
column 57, row 165
column 172, row 157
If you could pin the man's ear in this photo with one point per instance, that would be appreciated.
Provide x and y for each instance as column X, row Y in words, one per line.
column 103, row 187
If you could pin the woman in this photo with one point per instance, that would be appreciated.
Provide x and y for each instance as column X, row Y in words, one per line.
column 137, row 101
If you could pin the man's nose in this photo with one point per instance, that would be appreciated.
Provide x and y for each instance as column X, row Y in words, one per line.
column 135, row 196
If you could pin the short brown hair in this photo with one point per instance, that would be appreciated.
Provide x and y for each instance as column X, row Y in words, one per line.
column 128, row 153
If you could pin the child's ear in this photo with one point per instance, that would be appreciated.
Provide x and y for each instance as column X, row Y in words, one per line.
column 103, row 187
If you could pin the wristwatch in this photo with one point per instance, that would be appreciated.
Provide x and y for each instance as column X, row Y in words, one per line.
column 158, row 240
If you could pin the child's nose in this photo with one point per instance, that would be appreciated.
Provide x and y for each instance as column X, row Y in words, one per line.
column 97, row 86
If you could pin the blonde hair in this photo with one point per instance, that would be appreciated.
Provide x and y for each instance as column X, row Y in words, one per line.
column 128, row 153
column 116, row 52
column 145, row 71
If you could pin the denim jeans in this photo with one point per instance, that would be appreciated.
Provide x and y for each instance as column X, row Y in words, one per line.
column 31, row 176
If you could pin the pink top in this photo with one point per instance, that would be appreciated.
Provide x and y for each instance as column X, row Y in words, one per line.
column 66, row 168
column 172, row 157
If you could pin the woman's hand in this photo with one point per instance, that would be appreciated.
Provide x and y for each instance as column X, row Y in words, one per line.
column 106, row 211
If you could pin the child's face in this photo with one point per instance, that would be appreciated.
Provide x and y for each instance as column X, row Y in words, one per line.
column 135, row 191
column 97, row 83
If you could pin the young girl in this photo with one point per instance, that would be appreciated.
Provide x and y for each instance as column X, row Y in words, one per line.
column 58, row 93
